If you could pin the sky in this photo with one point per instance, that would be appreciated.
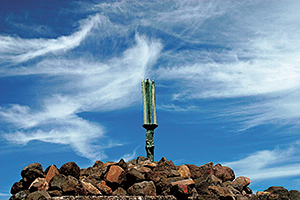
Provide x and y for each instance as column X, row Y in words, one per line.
column 227, row 76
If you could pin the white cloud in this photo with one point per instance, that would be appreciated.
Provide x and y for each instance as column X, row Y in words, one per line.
column 82, row 86
column 268, row 164
column 17, row 50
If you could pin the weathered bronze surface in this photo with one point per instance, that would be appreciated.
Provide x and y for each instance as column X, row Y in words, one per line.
column 149, row 111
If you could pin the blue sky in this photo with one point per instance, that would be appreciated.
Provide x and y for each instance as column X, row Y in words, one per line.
column 227, row 80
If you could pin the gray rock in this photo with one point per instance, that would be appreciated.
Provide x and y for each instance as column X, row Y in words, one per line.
column 294, row 195
column 38, row 195
column 69, row 186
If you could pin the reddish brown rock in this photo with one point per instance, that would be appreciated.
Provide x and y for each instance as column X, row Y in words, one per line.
column 221, row 192
column 165, row 165
column 224, row 173
column 109, row 163
column 70, row 168
column 182, row 187
column 142, row 188
column 98, row 164
column 36, row 166
column 91, row 190
column 39, row 184
column 195, row 171
column 206, row 167
column 241, row 181
column 115, row 175
column 51, row 173
column 184, row 171
column 104, row 189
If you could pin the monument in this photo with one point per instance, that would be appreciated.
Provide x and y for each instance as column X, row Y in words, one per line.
column 149, row 111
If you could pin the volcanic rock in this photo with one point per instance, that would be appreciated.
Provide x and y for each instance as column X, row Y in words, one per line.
column 70, row 168
column 56, row 182
column 184, row 171
column 51, row 172
column 39, row 184
column 38, row 195
column 143, row 188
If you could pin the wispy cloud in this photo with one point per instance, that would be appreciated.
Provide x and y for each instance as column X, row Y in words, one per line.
column 80, row 85
column 267, row 164
column 17, row 50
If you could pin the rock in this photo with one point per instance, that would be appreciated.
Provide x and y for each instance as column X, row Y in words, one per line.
column 195, row 171
column 184, row 171
column 69, row 186
column 91, row 190
column 221, row 192
column 30, row 173
column 55, row 193
column 141, row 159
column 279, row 191
column 36, row 166
column 56, row 182
column 115, row 175
column 98, row 164
column 17, row 187
column 224, row 173
column 70, row 168
column 182, row 188
column 294, row 195
column 119, row 192
column 123, row 164
column 241, row 197
column 104, row 189
column 109, row 163
column 51, row 172
column 241, row 180
column 142, row 188
column 165, row 165
column 134, row 176
column 39, row 184
column 206, row 167
column 21, row 195
column 202, row 183
column 38, row 195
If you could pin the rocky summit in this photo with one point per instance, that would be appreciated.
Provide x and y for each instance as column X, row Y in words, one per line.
column 139, row 179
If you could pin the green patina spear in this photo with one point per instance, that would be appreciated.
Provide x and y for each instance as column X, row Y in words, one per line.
column 149, row 108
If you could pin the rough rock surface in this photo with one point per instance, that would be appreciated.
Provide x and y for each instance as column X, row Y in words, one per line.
column 140, row 179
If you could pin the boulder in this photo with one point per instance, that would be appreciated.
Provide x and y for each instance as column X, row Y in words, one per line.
column 91, row 190
column 31, row 172
column 123, row 164
column 98, row 164
column 36, row 166
column 115, row 175
column 142, row 188
column 195, row 171
column 119, row 192
column 142, row 159
column 165, row 165
column 70, row 168
column 206, row 167
column 224, row 173
column 69, row 186
column 17, row 187
column 294, row 195
column 39, row 184
column 279, row 191
column 55, row 193
column 221, row 192
column 38, row 195
column 241, row 181
column 134, row 176
column 182, row 188
column 184, row 171
column 56, row 182
column 103, row 188
column 21, row 195
column 51, row 172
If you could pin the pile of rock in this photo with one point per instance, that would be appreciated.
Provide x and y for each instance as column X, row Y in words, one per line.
column 139, row 179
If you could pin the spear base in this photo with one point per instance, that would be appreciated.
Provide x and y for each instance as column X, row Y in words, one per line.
column 149, row 140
